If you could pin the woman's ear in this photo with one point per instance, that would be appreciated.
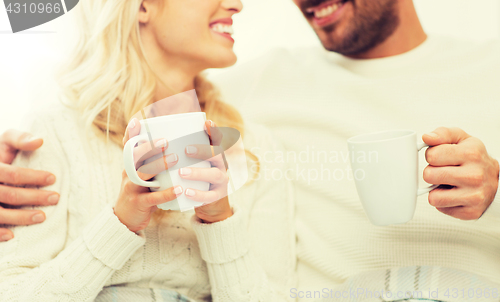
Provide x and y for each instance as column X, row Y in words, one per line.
column 144, row 12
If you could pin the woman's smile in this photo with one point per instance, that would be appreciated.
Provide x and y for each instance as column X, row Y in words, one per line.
column 223, row 27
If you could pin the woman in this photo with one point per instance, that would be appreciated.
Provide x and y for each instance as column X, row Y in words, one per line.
column 104, row 239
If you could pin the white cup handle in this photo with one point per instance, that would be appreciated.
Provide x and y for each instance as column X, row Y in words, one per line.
column 128, row 162
column 422, row 191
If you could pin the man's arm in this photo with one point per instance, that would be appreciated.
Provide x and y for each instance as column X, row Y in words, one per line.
column 11, row 197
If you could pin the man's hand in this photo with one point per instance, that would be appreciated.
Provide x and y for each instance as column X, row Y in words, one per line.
column 460, row 162
column 11, row 142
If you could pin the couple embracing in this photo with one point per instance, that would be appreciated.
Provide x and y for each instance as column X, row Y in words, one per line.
column 101, row 237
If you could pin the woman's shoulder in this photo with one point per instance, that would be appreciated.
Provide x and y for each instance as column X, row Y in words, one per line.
column 52, row 115
column 58, row 125
column 54, row 122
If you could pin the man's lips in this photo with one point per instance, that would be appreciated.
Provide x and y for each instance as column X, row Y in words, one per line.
column 325, row 4
column 326, row 13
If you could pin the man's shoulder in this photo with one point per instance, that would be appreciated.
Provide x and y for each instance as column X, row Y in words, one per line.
column 466, row 44
column 466, row 51
column 272, row 59
column 269, row 69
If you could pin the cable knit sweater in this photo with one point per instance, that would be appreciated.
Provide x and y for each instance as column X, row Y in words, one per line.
column 83, row 247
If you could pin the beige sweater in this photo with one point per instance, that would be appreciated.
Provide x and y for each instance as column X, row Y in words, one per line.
column 314, row 100
column 82, row 246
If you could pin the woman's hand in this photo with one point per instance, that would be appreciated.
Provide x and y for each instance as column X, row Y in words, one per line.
column 136, row 204
column 216, row 204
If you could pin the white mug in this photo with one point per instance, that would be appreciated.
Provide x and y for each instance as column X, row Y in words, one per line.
column 180, row 130
column 385, row 169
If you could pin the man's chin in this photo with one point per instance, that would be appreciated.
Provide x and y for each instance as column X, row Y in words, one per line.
column 330, row 38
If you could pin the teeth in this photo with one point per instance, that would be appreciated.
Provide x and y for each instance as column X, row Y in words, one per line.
column 326, row 11
column 222, row 28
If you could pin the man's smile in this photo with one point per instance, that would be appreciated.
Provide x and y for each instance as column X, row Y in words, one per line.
column 326, row 13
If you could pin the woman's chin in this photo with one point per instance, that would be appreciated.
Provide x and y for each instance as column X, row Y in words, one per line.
column 231, row 62
column 224, row 61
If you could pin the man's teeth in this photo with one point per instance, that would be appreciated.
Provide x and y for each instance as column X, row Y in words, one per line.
column 327, row 10
column 223, row 28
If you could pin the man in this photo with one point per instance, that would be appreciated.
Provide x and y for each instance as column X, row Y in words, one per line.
column 380, row 72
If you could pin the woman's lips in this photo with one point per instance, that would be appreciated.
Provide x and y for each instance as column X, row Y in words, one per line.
column 228, row 36
column 223, row 27
column 327, row 13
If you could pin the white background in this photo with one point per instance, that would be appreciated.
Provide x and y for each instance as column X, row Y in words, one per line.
column 27, row 59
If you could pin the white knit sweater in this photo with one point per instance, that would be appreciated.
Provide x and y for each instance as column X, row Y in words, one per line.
column 82, row 246
column 314, row 100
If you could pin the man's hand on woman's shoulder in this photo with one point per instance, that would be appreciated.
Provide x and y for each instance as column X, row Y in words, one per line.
column 12, row 196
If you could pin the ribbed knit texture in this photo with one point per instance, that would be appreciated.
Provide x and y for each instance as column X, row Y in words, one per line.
column 82, row 247
column 314, row 100
column 233, row 262
column 234, row 244
column 113, row 247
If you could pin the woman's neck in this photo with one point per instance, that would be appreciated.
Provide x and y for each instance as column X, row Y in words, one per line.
column 174, row 74
column 171, row 83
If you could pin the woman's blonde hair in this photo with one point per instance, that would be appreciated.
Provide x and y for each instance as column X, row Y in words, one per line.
column 108, row 78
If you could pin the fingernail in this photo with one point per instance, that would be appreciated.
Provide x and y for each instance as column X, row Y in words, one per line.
column 161, row 144
column 191, row 150
column 178, row 190
column 212, row 124
column 185, row 171
column 53, row 199
column 432, row 134
column 38, row 218
column 29, row 138
column 170, row 159
column 190, row 192
column 131, row 124
column 51, row 179
column 6, row 237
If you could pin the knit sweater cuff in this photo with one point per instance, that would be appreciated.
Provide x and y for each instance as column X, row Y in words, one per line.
column 111, row 241
column 223, row 241
column 494, row 209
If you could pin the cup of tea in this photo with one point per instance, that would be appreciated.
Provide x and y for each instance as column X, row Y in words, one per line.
column 386, row 166
column 180, row 130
